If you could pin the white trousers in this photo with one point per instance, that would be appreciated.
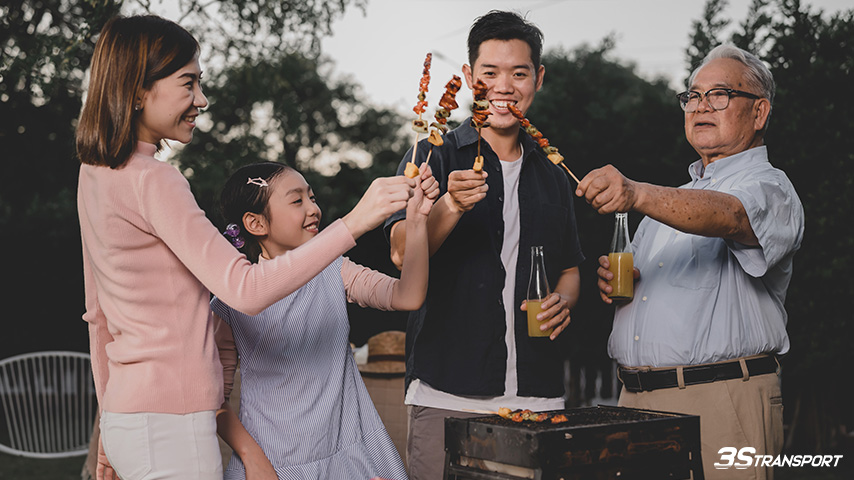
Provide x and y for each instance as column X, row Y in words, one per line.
column 160, row 446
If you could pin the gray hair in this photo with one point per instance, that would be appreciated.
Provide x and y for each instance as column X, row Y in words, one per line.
column 758, row 76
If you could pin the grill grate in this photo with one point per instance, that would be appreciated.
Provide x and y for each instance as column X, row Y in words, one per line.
column 594, row 442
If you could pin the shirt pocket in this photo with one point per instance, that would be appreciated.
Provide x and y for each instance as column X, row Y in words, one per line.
column 701, row 260
column 127, row 444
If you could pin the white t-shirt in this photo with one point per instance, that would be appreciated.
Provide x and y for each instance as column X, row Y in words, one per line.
column 420, row 393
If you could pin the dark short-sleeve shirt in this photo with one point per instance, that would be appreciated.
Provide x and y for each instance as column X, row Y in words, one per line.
column 455, row 342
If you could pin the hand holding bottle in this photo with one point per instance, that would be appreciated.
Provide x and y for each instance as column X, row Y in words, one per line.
column 538, row 291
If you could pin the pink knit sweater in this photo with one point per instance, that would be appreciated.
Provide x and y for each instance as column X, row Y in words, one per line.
column 150, row 261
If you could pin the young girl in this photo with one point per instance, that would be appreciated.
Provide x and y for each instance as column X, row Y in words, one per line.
column 151, row 258
column 302, row 398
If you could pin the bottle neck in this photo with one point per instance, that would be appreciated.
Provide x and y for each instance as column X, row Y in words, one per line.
column 621, row 241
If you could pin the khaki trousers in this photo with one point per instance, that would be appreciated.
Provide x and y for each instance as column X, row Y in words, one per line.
column 733, row 413
column 425, row 442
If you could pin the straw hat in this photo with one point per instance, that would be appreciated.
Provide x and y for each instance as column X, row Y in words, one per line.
column 386, row 354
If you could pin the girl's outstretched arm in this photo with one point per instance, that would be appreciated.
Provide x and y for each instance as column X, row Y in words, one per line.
column 409, row 293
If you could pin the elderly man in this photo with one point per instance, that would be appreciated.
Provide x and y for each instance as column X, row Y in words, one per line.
column 713, row 260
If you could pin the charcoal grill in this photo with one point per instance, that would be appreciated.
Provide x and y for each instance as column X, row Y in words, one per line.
column 595, row 443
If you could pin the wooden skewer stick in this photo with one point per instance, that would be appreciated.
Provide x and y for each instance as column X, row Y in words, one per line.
column 414, row 148
column 484, row 412
column 569, row 172
column 429, row 152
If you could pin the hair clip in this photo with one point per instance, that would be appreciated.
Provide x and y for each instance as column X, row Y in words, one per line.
column 232, row 232
column 258, row 181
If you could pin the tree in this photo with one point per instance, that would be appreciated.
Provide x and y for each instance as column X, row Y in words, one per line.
column 706, row 32
column 809, row 54
column 284, row 109
column 46, row 50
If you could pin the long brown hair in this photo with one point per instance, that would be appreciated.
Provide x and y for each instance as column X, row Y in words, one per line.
column 131, row 54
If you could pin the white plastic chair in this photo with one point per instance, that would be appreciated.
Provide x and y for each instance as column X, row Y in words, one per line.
column 48, row 404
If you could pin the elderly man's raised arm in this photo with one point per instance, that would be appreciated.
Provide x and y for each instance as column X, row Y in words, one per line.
column 699, row 212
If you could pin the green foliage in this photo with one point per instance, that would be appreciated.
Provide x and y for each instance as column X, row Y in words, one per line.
column 810, row 55
column 46, row 49
column 706, row 31
column 754, row 31
column 240, row 30
column 284, row 109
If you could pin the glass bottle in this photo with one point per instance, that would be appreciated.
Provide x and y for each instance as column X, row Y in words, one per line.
column 621, row 260
column 538, row 290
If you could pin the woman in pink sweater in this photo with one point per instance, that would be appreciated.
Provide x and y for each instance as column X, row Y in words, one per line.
column 151, row 258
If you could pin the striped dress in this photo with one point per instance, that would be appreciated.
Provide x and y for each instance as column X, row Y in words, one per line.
column 302, row 397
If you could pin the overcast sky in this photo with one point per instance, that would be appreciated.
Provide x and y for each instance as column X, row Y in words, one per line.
column 384, row 48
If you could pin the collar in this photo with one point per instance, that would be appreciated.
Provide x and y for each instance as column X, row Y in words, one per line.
column 145, row 148
column 728, row 165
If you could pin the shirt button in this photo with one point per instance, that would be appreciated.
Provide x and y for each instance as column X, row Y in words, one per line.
column 501, row 198
column 714, row 180
column 637, row 338
column 660, row 264
column 644, row 298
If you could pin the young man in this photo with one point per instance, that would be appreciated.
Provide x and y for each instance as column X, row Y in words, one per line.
column 468, row 347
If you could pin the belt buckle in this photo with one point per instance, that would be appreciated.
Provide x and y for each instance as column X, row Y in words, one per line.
column 637, row 373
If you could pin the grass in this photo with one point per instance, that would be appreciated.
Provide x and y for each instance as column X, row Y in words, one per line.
column 18, row 468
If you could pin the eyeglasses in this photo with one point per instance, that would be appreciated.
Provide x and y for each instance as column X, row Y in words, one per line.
column 718, row 98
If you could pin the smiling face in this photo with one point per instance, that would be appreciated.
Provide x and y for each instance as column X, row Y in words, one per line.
column 505, row 66
column 292, row 216
column 171, row 105
column 723, row 133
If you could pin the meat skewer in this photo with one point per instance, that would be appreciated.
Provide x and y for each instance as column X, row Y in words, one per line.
column 551, row 151
column 419, row 124
column 446, row 104
column 479, row 114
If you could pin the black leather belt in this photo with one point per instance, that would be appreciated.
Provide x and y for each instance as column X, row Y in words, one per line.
column 639, row 380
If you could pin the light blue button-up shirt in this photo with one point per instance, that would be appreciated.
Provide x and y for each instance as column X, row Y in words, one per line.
column 701, row 299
